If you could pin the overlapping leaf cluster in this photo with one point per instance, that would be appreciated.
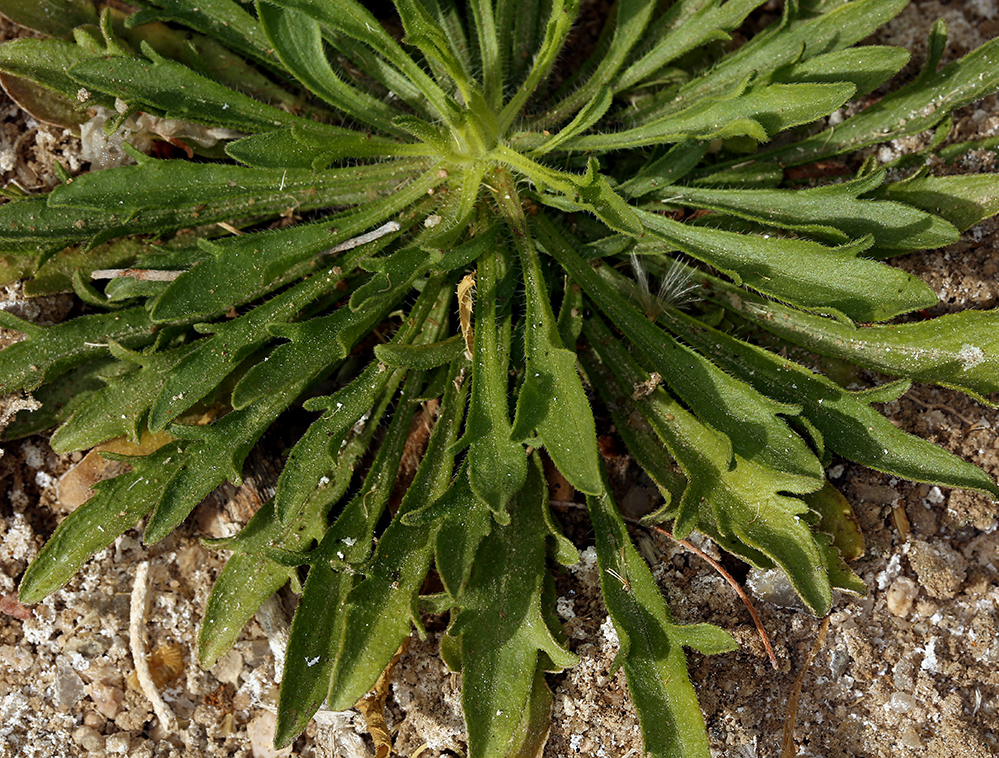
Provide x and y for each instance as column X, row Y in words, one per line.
column 410, row 163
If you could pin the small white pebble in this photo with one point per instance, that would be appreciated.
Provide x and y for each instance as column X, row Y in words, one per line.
column 900, row 596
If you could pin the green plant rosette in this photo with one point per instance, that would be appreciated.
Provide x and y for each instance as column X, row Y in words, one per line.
column 448, row 147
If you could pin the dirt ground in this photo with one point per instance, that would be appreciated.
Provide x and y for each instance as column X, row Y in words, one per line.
column 911, row 669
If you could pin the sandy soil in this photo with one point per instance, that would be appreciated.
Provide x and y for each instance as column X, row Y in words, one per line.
column 909, row 670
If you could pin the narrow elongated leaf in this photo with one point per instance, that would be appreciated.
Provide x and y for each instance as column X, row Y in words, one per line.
column 298, row 41
column 678, row 161
column 497, row 465
column 914, row 108
column 490, row 52
column 47, row 62
column 561, row 17
column 426, row 33
column 57, row 18
column 381, row 606
column 46, row 352
column 833, row 280
column 759, row 112
column 587, row 117
column 963, row 200
column 161, row 85
column 957, row 350
column 866, row 67
column 502, row 633
column 278, row 149
column 421, row 356
column 318, row 628
column 834, row 213
column 353, row 19
column 173, row 194
column 224, row 20
column 787, row 41
column 651, row 644
column 242, row 268
column 630, row 23
column 551, row 400
column 686, row 26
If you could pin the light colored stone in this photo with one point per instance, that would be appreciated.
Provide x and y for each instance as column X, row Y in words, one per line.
column 900, row 596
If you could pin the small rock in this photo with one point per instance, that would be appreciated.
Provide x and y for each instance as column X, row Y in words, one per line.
column 900, row 595
column 117, row 742
column 89, row 739
column 910, row 738
column 68, row 686
column 106, row 697
column 772, row 586
column 940, row 568
column 229, row 668
column 261, row 733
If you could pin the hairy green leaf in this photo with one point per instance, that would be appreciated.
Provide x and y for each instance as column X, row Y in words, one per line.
column 499, row 626
column 834, row 213
column 955, row 350
column 380, row 607
column 651, row 644
column 319, row 626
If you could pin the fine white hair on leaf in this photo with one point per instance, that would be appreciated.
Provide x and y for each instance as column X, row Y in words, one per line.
column 381, row 231
column 675, row 287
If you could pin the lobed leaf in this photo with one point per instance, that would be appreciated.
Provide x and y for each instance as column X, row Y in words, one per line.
column 834, row 213
column 788, row 41
column 380, row 607
column 120, row 408
column 651, row 644
column 957, row 350
column 117, row 505
column 752, row 423
column 214, row 358
column 845, row 420
column 317, row 449
column 501, row 631
column 746, row 506
column 834, row 280
column 46, row 352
